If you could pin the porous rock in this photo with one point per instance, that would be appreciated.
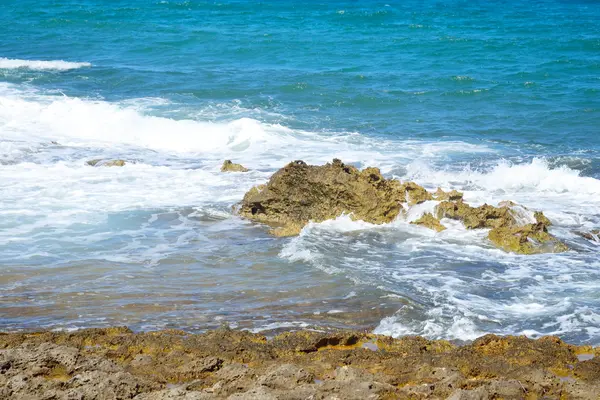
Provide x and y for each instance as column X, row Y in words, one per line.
column 104, row 364
column 593, row 235
column 429, row 221
column 508, row 231
column 229, row 166
column 453, row 195
column 299, row 193
column 106, row 163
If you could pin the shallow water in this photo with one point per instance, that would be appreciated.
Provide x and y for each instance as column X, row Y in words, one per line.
column 499, row 100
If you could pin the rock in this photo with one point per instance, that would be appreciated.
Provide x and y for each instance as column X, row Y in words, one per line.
column 429, row 221
column 484, row 216
column 541, row 218
column 528, row 239
column 229, row 166
column 299, row 193
column 453, row 195
column 285, row 376
column 106, row 163
column 101, row 364
column 594, row 235
column 508, row 231
column 416, row 194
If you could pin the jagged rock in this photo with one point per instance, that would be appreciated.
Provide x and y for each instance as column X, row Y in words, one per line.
column 594, row 235
column 484, row 216
column 106, row 163
column 299, row 193
column 508, row 231
column 103, row 364
column 416, row 194
column 453, row 195
column 429, row 221
column 229, row 166
column 528, row 239
column 541, row 218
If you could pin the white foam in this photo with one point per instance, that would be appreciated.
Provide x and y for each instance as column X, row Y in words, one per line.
column 56, row 65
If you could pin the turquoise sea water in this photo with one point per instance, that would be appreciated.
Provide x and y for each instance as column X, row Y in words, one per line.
column 499, row 99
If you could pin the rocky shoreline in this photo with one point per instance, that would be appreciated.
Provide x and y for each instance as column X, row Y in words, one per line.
column 116, row 363
column 300, row 193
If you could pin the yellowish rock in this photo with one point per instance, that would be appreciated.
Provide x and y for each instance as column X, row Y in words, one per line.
column 229, row 166
column 453, row 195
column 528, row 239
column 106, row 163
column 416, row 194
column 299, row 193
column 429, row 221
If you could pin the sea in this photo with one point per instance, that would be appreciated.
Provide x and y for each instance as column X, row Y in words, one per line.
column 498, row 99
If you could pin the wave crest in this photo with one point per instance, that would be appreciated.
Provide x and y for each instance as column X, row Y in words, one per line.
column 38, row 65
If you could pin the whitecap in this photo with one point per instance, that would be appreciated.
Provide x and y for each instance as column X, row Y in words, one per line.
column 37, row 65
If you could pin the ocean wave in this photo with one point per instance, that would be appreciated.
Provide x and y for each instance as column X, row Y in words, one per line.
column 508, row 177
column 38, row 65
column 216, row 132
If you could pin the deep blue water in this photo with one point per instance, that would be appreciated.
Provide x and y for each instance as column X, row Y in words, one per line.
column 500, row 99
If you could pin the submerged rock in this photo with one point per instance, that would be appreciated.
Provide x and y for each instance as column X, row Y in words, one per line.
column 299, row 193
column 229, row 166
column 106, row 163
column 429, row 221
column 594, row 235
column 510, row 230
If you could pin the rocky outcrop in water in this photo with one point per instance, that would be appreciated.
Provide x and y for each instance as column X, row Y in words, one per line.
column 593, row 236
column 429, row 221
column 106, row 163
column 512, row 228
column 115, row 363
column 299, row 193
column 229, row 166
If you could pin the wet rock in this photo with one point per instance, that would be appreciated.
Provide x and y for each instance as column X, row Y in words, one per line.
column 510, row 230
column 116, row 363
column 528, row 239
column 106, row 163
column 229, row 166
column 429, row 221
column 416, row 194
column 299, row 193
column 453, row 195
column 484, row 216
column 593, row 236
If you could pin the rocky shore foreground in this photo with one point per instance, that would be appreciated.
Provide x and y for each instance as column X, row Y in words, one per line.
column 115, row 363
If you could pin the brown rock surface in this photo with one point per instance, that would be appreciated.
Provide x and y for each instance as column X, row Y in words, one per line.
column 106, row 163
column 299, row 193
column 429, row 221
column 229, row 166
column 527, row 239
column 453, row 195
column 507, row 231
column 115, row 363
column 594, row 235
